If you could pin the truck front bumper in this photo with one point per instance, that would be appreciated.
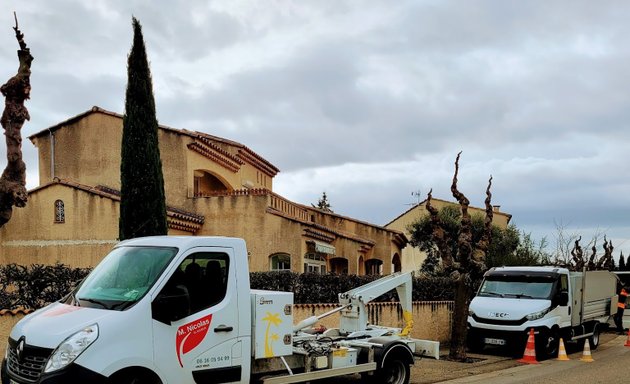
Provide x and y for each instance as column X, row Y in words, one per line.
column 513, row 339
column 72, row 374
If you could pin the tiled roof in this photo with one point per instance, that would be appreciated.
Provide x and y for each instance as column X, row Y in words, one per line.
column 177, row 218
column 244, row 153
column 15, row 312
column 423, row 202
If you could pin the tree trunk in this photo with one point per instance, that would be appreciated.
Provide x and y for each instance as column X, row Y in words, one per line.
column 463, row 292
column 16, row 90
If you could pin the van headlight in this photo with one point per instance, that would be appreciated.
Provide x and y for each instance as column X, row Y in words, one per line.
column 537, row 315
column 71, row 348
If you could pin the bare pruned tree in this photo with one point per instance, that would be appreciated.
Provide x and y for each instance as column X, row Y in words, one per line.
column 465, row 263
column 579, row 262
column 18, row 89
column 606, row 261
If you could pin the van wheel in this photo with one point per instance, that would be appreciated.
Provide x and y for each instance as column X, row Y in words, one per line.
column 138, row 380
column 547, row 345
column 134, row 378
column 594, row 339
column 394, row 371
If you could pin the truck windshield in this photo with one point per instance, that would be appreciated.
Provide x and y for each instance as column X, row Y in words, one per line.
column 122, row 278
column 526, row 287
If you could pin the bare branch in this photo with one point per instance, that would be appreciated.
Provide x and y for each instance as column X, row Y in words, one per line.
column 439, row 234
column 16, row 91
column 481, row 248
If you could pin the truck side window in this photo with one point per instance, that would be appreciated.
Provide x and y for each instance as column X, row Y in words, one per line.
column 564, row 284
column 204, row 277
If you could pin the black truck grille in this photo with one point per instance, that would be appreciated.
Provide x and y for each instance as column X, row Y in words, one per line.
column 31, row 364
column 499, row 321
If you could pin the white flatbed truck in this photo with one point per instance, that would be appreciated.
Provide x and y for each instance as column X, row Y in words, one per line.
column 179, row 310
column 553, row 301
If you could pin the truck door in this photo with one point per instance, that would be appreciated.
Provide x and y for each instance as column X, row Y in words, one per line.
column 195, row 327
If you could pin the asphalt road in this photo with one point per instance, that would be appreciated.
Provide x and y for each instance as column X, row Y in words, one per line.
column 610, row 365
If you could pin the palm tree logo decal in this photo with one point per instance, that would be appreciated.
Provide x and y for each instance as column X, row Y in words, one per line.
column 271, row 319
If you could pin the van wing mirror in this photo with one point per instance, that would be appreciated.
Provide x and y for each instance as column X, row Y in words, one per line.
column 563, row 298
column 171, row 306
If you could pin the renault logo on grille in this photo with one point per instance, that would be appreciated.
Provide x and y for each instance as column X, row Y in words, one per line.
column 19, row 350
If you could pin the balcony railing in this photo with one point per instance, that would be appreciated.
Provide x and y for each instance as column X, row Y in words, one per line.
column 276, row 202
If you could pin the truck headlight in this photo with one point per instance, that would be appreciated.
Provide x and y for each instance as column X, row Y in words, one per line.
column 71, row 348
column 537, row 315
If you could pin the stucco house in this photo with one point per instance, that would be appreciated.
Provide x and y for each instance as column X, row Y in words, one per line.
column 412, row 258
column 213, row 186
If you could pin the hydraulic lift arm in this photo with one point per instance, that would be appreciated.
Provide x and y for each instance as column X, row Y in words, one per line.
column 354, row 314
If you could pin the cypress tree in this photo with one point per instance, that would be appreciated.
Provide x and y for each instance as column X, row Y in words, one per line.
column 622, row 262
column 142, row 200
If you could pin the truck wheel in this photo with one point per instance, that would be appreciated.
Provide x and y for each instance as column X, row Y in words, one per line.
column 547, row 345
column 394, row 371
column 594, row 339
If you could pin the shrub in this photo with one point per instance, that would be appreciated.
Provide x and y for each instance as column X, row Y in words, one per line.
column 311, row 288
column 36, row 285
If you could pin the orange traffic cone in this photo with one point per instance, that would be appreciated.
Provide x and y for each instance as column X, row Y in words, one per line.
column 562, row 352
column 627, row 344
column 586, row 355
column 529, row 356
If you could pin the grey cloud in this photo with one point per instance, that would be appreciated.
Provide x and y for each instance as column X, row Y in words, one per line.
column 534, row 92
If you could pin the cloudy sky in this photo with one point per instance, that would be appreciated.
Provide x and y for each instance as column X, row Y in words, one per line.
column 369, row 101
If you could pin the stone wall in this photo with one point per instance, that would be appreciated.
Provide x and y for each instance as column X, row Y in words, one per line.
column 432, row 319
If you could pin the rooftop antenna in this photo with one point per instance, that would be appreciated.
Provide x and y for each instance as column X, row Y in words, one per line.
column 418, row 195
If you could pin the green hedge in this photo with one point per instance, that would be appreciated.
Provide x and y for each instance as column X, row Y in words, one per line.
column 314, row 288
column 37, row 285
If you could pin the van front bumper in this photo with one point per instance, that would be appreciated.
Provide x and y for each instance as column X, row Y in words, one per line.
column 72, row 374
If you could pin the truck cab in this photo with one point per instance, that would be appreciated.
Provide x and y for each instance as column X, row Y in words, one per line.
column 156, row 310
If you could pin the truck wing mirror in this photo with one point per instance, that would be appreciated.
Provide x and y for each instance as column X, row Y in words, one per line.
column 563, row 298
column 171, row 306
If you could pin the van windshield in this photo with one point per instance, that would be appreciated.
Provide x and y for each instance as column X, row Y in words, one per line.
column 525, row 287
column 122, row 278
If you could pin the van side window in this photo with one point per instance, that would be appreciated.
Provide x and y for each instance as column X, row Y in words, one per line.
column 564, row 284
column 204, row 276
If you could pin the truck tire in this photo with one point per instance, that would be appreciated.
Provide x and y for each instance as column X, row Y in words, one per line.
column 594, row 339
column 394, row 371
column 134, row 377
column 547, row 344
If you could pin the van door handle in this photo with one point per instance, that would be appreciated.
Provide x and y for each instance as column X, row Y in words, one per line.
column 223, row 328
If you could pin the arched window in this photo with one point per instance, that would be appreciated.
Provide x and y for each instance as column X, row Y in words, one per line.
column 396, row 263
column 60, row 212
column 315, row 263
column 339, row 265
column 280, row 262
column 207, row 183
column 374, row 267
